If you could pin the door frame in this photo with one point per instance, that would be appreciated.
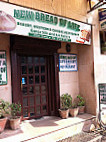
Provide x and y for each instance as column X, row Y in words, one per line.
column 23, row 45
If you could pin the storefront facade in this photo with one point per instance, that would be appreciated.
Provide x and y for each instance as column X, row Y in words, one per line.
column 34, row 77
column 98, row 19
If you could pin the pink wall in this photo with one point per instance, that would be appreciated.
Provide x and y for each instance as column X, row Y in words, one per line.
column 86, row 77
column 82, row 81
column 5, row 90
column 69, row 82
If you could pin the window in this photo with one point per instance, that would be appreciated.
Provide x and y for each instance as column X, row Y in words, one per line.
column 103, row 41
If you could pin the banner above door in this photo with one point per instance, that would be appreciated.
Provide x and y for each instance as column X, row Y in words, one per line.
column 27, row 22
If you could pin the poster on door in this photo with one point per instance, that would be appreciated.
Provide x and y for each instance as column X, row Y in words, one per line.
column 3, row 68
column 67, row 62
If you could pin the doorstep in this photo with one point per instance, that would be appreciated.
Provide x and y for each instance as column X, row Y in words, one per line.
column 49, row 128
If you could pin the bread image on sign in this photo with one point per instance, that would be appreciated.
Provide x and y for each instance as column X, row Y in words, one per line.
column 85, row 35
column 7, row 22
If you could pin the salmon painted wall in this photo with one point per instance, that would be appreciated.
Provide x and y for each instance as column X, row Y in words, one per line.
column 86, row 77
column 5, row 90
column 69, row 82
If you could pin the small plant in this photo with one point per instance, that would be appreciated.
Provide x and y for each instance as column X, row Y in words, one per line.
column 81, row 101
column 4, row 108
column 74, row 109
column 66, row 101
column 104, row 46
column 74, row 105
column 15, row 109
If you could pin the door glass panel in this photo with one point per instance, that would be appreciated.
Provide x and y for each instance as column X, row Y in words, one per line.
column 37, row 90
column 36, row 60
column 30, row 69
column 42, row 79
column 25, row 113
column 37, row 100
column 43, row 99
column 36, row 69
column 24, row 90
column 43, row 89
column 25, row 102
column 31, row 101
column 36, row 79
column 30, row 79
column 44, row 108
column 42, row 60
column 42, row 69
column 32, row 111
column 31, row 90
column 30, row 60
column 24, row 70
column 23, row 60
column 38, row 110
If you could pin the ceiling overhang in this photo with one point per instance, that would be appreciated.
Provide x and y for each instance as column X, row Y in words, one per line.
column 96, row 5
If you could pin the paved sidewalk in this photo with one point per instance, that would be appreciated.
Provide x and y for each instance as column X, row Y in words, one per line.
column 49, row 129
column 86, row 137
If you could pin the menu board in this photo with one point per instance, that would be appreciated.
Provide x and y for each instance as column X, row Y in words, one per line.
column 3, row 68
column 102, row 93
column 102, row 104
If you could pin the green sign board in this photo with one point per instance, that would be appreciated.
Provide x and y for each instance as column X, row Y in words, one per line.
column 27, row 22
column 3, row 68
column 102, row 93
column 102, row 104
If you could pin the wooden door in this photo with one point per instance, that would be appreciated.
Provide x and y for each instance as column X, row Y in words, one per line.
column 34, row 86
column 35, row 79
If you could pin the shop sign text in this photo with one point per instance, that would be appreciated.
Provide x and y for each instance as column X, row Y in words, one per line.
column 67, row 62
column 102, row 19
column 27, row 22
